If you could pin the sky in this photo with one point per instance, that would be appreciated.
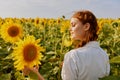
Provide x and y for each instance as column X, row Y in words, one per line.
column 58, row 8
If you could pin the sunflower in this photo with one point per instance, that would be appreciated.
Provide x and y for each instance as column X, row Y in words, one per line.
column 65, row 26
column 11, row 32
column 36, row 21
column 27, row 53
column 67, row 41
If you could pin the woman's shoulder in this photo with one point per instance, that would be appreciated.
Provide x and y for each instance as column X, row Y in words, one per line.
column 92, row 45
column 76, row 52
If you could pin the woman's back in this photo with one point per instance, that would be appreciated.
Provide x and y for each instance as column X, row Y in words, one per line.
column 87, row 63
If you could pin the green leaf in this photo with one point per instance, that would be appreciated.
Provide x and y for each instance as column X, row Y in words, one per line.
column 111, row 78
column 8, row 57
column 5, row 76
column 33, row 76
column 115, row 59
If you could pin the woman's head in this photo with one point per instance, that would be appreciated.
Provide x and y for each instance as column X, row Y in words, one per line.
column 84, row 27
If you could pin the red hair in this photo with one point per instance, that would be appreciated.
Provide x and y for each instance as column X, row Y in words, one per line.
column 86, row 16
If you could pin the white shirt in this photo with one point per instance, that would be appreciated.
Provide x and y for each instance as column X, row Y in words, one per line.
column 86, row 63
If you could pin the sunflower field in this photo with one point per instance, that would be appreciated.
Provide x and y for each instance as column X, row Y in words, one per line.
column 44, row 42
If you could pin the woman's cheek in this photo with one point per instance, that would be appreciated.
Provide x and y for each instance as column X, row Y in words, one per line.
column 73, row 35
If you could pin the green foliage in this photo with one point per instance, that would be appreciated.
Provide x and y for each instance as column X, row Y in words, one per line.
column 109, row 38
column 5, row 76
column 111, row 78
column 115, row 60
column 52, row 41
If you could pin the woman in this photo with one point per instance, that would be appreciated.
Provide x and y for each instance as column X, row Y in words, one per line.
column 88, row 61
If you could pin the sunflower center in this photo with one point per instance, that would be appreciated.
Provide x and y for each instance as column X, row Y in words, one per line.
column 13, row 31
column 37, row 21
column 30, row 52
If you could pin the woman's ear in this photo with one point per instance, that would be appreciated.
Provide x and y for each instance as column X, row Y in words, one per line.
column 86, row 26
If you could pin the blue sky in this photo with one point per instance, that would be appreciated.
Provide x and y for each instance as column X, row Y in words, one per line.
column 57, row 8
